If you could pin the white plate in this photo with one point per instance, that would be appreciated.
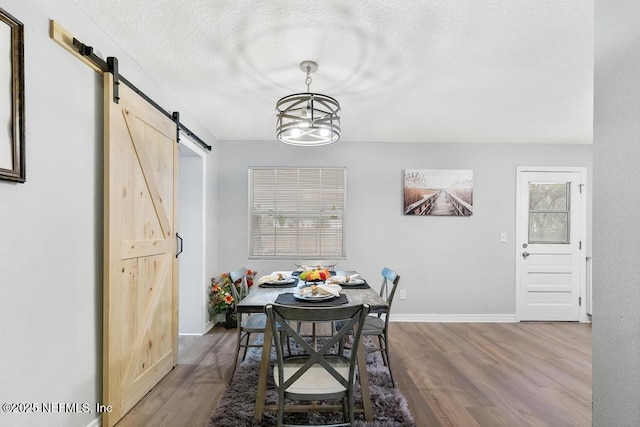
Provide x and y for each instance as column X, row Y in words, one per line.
column 354, row 282
column 282, row 282
column 310, row 297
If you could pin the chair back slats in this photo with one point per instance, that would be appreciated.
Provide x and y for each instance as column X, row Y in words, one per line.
column 281, row 317
column 390, row 280
column 239, row 274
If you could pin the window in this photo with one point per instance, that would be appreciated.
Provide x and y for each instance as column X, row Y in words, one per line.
column 296, row 212
column 549, row 211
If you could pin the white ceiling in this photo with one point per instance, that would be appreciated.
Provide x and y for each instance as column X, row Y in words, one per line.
column 512, row 71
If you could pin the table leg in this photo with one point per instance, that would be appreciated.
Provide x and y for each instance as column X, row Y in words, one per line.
column 264, row 371
column 364, row 383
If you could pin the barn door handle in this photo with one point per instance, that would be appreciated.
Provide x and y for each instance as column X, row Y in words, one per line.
column 180, row 245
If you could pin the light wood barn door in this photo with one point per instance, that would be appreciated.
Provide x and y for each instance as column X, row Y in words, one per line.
column 140, row 278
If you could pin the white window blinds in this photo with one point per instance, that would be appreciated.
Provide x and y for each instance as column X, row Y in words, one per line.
column 296, row 212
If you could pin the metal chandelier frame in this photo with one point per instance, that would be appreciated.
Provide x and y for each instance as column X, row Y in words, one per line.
column 308, row 119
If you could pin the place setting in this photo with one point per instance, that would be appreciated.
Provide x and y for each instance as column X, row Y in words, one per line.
column 348, row 281
column 315, row 294
column 278, row 279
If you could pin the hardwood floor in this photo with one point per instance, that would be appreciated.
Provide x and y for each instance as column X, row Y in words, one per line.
column 188, row 394
column 452, row 374
column 495, row 374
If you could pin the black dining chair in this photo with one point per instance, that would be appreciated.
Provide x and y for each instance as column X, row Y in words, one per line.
column 377, row 325
column 316, row 374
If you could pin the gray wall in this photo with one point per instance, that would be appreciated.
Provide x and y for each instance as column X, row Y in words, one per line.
column 616, row 215
column 51, row 226
column 449, row 266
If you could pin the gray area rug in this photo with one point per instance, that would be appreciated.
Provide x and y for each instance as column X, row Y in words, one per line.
column 236, row 405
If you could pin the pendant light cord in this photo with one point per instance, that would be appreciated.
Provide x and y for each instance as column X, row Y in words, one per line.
column 307, row 81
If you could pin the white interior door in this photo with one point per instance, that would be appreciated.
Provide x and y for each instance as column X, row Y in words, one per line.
column 550, row 247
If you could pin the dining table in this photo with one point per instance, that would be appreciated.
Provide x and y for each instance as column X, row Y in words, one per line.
column 262, row 295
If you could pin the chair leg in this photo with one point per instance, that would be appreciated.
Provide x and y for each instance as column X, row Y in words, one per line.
column 346, row 411
column 235, row 359
column 247, row 337
column 382, row 346
column 280, row 420
column 385, row 352
column 351, row 403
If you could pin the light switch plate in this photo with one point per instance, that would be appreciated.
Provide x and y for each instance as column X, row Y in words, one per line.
column 503, row 237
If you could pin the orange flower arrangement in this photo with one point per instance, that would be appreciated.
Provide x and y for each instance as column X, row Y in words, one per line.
column 220, row 296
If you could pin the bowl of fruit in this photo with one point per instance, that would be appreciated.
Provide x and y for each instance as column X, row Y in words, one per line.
column 316, row 275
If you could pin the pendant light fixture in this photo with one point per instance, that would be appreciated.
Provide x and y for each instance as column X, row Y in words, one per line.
column 308, row 119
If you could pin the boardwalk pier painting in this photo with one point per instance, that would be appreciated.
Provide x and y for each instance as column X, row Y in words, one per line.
column 438, row 192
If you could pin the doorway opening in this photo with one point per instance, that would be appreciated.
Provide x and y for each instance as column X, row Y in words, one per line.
column 193, row 315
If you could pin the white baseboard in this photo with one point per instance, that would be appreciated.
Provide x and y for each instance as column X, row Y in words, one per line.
column 454, row 318
column 97, row 422
column 207, row 328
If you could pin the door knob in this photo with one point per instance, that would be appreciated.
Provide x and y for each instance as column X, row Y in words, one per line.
column 525, row 254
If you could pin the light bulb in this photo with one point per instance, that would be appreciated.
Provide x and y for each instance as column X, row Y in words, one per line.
column 305, row 124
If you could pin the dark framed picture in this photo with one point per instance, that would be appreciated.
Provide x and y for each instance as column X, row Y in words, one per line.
column 438, row 192
column 12, row 139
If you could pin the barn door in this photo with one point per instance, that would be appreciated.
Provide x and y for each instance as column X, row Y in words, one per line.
column 140, row 273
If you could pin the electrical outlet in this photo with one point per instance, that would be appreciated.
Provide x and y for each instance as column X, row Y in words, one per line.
column 403, row 294
column 503, row 237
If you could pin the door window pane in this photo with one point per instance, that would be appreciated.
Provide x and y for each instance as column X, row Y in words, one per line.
column 549, row 196
column 549, row 209
column 550, row 227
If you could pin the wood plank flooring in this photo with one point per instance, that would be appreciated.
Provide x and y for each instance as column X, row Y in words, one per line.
column 495, row 374
column 452, row 374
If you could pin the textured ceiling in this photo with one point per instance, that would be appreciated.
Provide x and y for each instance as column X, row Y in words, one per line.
column 512, row 71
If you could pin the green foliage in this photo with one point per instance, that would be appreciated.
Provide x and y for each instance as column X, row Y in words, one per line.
column 220, row 296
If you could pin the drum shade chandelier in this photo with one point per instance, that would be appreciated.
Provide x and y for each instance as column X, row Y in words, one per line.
column 308, row 119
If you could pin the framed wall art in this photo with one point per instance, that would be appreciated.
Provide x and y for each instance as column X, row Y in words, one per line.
column 438, row 192
column 12, row 139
